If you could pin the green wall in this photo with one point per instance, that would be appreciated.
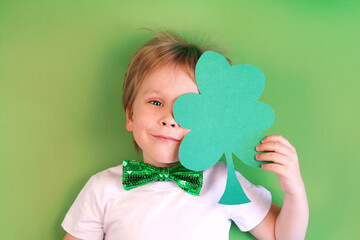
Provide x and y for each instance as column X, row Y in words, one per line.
column 61, row 119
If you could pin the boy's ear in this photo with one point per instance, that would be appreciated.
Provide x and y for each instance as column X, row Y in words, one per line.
column 129, row 120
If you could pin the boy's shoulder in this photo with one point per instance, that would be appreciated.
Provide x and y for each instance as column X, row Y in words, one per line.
column 217, row 176
column 109, row 178
column 112, row 172
column 219, row 171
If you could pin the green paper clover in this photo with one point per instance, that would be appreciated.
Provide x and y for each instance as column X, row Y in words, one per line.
column 225, row 119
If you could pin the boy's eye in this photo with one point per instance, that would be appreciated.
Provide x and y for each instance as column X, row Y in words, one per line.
column 157, row 103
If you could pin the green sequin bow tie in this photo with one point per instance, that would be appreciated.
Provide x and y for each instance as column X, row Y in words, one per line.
column 136, row 174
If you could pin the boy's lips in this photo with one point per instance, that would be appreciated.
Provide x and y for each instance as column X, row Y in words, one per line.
column 166, row 138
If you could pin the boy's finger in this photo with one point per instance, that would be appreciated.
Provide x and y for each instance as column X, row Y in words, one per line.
column 271, row 156
column 275, row 147
column 278, row 169
column 280, row 139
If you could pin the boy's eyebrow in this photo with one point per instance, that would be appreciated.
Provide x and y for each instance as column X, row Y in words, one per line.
column 151, row 91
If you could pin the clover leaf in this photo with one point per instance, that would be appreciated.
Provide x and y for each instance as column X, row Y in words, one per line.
column 225, row 119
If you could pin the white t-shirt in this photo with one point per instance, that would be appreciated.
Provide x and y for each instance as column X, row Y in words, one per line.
column 162, row 210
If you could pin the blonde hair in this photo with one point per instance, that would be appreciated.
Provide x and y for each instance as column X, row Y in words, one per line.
column 165, row 48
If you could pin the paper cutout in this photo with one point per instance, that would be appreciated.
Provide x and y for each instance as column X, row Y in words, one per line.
column 225, row 119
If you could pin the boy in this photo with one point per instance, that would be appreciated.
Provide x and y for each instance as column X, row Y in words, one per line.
column 159, row 72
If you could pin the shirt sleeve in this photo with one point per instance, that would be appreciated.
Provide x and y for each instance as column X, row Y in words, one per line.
column 249, row 215
column 84, row 219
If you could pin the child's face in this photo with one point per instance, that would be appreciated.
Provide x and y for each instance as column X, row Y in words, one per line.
column 152, row 121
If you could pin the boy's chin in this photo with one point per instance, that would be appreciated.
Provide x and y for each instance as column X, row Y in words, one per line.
column 169, row 162
column 165, row 162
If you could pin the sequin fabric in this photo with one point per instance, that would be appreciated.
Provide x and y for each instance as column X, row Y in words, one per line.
column 137, row 173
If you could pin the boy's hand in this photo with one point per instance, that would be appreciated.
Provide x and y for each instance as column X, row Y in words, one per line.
column 285, row 163
column 292, row 220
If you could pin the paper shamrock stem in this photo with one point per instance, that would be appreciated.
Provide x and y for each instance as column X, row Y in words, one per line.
column 234, row 194
column 225, row 118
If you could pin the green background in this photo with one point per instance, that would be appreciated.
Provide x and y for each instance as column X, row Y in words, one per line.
column 62, row 65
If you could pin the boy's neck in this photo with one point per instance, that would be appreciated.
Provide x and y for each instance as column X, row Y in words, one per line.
column 158, row 164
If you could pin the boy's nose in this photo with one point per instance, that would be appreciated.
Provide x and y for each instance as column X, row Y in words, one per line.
column 168, row 120
column 169, row 124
